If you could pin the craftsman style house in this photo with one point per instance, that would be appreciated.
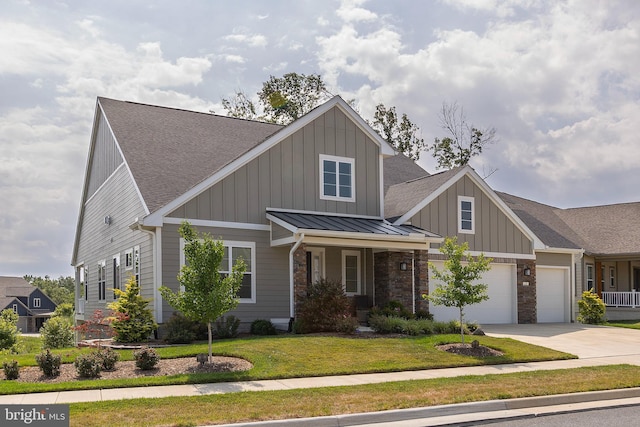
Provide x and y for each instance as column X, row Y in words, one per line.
column 32, row 306
column 324, row 197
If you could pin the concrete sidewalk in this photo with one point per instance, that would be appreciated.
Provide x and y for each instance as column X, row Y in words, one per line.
column 302, row 383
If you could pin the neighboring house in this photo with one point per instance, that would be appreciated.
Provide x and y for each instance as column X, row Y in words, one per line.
column 32, row 306
column 324, row 197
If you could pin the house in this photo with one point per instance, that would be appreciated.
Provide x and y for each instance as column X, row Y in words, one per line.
column 32, row 306
column 322, row 197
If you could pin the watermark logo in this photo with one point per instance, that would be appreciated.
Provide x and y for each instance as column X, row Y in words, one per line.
column 34, row 415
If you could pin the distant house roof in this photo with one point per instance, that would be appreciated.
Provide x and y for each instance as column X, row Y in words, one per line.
column 169, row 150
column 399, row 169
column 15, row 287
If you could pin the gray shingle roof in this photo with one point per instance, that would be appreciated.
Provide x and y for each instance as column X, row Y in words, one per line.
column 170, row 151
column 15, row 287
column 400, row 168
column 401, row 198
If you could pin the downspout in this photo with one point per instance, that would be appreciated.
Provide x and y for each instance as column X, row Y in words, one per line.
column 158, row 315
column 291, row 281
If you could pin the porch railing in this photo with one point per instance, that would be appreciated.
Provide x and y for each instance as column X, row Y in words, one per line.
column 80, row 306
column 621, row 299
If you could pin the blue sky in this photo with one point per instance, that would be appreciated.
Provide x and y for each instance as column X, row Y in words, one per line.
column 559, row 80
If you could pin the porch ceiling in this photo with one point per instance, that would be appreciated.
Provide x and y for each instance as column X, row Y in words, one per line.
column 339, row 230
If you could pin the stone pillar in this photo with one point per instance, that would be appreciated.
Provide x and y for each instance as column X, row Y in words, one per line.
column 392, row 283
column 299, row 275
column 421, row 279
column 527, row 296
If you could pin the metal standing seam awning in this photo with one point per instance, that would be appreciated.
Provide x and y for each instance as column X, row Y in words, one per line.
column 342, row 230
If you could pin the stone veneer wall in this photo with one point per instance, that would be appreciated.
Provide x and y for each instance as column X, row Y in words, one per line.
column 391, row 283
column 527, row 295
column 299, row 275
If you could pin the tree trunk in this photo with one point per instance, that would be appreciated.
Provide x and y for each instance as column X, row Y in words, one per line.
column 461, row 326
column 210, row 349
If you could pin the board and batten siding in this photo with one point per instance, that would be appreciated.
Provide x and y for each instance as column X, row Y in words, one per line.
column 98, row 241
column 106, row 157
column 271, row 270
column 288, row 176
column 494, row 231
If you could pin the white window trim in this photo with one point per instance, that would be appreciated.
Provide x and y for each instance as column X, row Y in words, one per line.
column 231, row 244
column 37, row 302
column 128, row 259
column 321, row 253
column 612, row 277
column 102, row 265
column 137, row 256
column 473, row 215
column 592, row 279
column 117, row 281
column 357, row 254
column 15, row 308
column 338, row 160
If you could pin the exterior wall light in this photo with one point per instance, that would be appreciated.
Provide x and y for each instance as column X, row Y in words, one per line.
column 527, row 271
column 403, row 266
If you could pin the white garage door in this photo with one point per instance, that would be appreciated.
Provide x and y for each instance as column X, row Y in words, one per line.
column 499, row 308
column 551, row 294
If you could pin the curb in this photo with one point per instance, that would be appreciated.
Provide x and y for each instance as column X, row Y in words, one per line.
column 448, row 410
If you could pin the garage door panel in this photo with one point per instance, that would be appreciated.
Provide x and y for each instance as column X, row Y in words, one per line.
column 499, row 308
column 551, row 294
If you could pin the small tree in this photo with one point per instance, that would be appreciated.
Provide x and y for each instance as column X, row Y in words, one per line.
column 133, row 319
column 458, row 289
column 8, row 329
column 591, row 308
column 207, row 293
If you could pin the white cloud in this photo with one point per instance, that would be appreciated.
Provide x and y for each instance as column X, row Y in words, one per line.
column 349, row 11
column 252, row 40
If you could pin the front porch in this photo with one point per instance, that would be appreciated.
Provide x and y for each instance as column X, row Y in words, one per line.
column 622, row 305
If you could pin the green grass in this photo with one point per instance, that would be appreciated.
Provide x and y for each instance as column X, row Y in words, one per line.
column 288, row 356
column 631, row 324
column 274, row 405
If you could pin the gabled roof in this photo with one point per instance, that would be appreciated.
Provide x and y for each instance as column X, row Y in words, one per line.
column 606, row 230
column 399, row 169
column 15, row 287
column 169, row 150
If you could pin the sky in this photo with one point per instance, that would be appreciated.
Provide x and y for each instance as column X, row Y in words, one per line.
column 558, row 80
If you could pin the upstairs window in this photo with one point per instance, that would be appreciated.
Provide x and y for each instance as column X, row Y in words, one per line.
column 466, row 215
column 102, row 280
column 337, row 178
column 37, row 302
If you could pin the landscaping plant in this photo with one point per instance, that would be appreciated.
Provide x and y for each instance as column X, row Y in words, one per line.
column 11, row 370
column 325, row 308
column 133, row 321
column 146, row 358
column 88, row 365
column 8, row 329
column 108, row 358
column 49, row 363
column 591, row 309
column 57, row 332
column 262, row 327
column 227, row 327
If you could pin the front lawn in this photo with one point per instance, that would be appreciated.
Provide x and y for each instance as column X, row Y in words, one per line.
column 631, row 324
column 287, row 356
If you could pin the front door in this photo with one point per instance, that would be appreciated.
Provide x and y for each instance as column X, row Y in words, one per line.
column 636, row 279
column 315, row 265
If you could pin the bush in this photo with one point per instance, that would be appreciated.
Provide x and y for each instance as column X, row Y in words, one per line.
column 324, row 308
column 262, row 327
column 393, row 309
column 591, row 309
column 146, row 358
column 11, row 370
column 133, row 319
column 180, row 330
column 8, row 329
column 347, row 325
column 398, row 325
column 49, row 363
column 57, row 332
column 108, row 358
column 227, row 327
column 88, row 365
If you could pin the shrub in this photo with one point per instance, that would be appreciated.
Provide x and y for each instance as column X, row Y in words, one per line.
column 63, row 310
column 387, row 324
column 227, row 327
column 146, row 358
column 133, row 319
column 49, row 363
column 108, row 358
column 324, row 308
column 591, row 309
column 8, row 329
column 11, row 370
column 57, row 332
column 88, row 365
column 393, row 309
column 262, row 327
column 180, row 330
column 347, row 325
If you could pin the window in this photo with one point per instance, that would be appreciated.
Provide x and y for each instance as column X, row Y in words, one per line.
column 15, row 308
column 128, row 259
column 36, row 303
column 85, row 280
column 246, row 251
column 351, row 272
column 136, row 264
column 590, row 278
column 337, row 178
column 465, row 215
column 102, row 280
column 612, row 277
column 116, row 273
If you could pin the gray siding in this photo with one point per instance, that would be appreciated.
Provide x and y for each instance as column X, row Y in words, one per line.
column 99, row 241
column 494, row 231
column 278, row 232
column 555, row 260
column 271, row 270
column 106, row 157
column 288, row 176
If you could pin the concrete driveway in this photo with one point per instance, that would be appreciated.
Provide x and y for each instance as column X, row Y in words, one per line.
column 585, row 341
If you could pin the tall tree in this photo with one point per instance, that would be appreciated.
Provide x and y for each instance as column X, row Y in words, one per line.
column 402, row 135
column 207, row 293
column 60, row 290
column 458, row 289
column 464, row 140
column 285, row 99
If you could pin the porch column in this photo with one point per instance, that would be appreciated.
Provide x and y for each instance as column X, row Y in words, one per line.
column 527, row 295
column 390, row 281
column 421, row 279
column 299, row 275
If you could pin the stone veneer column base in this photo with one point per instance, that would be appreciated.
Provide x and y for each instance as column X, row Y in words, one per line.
column 527, row 293
column 393, row 284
